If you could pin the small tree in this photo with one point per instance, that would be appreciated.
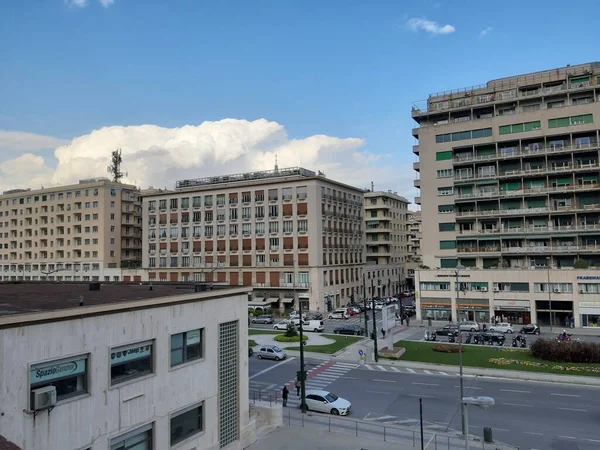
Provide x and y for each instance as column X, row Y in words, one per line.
column 291, row 331
column 581, row 264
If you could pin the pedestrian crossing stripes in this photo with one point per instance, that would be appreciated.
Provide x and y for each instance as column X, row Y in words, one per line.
column 408, row 370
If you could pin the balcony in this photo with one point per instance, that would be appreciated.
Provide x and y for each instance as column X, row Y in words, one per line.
column 517, row 152
column 543, row 170
column 378, row 229
column 417, row 183
column 417, row 166
column 418, row 200
column 541, row 229
column 524, row 192
column 532, row 249
column 415, row 149
column 526, row 211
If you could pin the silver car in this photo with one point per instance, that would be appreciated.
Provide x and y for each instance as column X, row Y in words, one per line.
column 264, row 319
column 469, row 326
column 271, row 352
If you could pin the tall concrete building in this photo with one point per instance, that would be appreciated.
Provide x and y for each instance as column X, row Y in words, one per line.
column 387, row 244
column 509, row 180
column 89, row 231
column 415, row 259
column 290, row 233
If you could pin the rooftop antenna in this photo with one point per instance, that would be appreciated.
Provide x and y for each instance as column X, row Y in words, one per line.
column 115, row 168
column 276, row 165
column 372, row 187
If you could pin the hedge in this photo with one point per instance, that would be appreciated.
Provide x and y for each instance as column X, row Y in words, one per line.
column 447, row 348
column 283, row 338
column 568, row 352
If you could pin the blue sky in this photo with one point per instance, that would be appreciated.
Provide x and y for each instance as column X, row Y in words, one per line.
column 345, row 69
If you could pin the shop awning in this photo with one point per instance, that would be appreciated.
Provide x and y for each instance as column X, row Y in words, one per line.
column 287, row 299
column 273, row 299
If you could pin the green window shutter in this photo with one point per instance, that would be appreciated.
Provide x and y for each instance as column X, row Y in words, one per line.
column 447, row 245
column 479, row 284
column 519, row 287
column 446, row 226
column 530, row 126
column 505, row 129
column 535, row 183
column 552, row 123
column 575, row 81
column 588, row 118
column 512, row 186
column 588, row 200
column 466, row 190
column 443, row 156
column 373, row 213
column 539, row 222
column 536, row 203
column 562, row 181
column 485, row 150
column 516, row 128
column 515, row 204
column 590, row 178
column 448, row 263
column 445, row 208
column 564, row 122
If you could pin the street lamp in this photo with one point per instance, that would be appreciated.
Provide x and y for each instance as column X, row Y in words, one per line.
column 549, row 291
column 465, row 430
column 480, row 402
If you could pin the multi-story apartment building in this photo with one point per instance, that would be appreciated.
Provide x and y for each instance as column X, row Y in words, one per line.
column 86, row 231
column 509, row 177
column 414, row 246
column 386, row 243
column 287, row 232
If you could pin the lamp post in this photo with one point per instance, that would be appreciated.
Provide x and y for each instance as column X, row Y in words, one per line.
column 465, row 430
column 480, row 402
column 549, row 291
column 365, row 306
column 303, row 407
column 374, row 322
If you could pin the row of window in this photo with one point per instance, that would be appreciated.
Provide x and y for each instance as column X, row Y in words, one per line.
column 520, row 127
column 463, row 135
column 196, row 231
column 61, row 195
column 566, row 288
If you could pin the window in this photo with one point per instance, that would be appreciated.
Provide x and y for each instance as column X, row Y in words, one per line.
column 208, row 200
column 187, row 423
column 445, row 173
column 301, row 193
column 449, row 190
column 464, row 135
column 445, row 209
column 140, row 439
column 246, row 212
column 286, row 193
column 68, row 376
column 447, row 245
column 260, row 212
column 173, row 203
column 567, row 121
column 208, row 216
column 273, row 210
column 186, row 347
column 197, row 202
column 233, row 214
column 302, row 226
column 220, row 199
column 163, row 204
column 130, row 362
column 434, row 286
column 220, row 230
column 246, row 229
column 288, row 226
column 220, row 215
column 273, row 196
column 233, row 229
column 446, row 226
column 208, row 231
column 273, row 227
column 260, row 228
column 443, row 156
column 185, row 202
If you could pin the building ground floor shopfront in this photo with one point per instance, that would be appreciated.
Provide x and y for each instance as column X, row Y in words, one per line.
column 518, row 297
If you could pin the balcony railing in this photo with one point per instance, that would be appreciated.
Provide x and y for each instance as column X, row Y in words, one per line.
column 531, row 229
column 529, row 191
column 526, row 151
column 526, row 172
column 531, row 249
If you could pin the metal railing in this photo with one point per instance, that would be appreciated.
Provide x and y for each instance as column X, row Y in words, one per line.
column 532, row 229
column 526, row 151
column 530, row 191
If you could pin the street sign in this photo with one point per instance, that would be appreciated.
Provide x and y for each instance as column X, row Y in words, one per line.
column 360, row 352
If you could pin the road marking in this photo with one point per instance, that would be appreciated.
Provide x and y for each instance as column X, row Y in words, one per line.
column 425, row 384
column 566, row 395
column 271, row 368
column 567, row 437
column 592, row 440
column 443, row 373
column 349, row 378
column 327, row 377
column 535, row 434
column 515, row 390
column 428, row 372
column 394, row 369
column 410, row 370
column 384, row 381
column 381, row 368
column 378, row 392
column 351, row 366
column 421, row 396
column 471, row 387
column 369, row 367
column 518, row 404
column 572, row 409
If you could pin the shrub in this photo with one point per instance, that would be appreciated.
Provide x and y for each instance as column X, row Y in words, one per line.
column 291, row 331
column 569, row 352
column 447, row 348
column 284, row 338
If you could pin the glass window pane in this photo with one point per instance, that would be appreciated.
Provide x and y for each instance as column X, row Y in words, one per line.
column 176, row 357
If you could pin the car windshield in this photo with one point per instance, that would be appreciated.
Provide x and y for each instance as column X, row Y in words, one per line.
column 331, row 397
column 276, row 349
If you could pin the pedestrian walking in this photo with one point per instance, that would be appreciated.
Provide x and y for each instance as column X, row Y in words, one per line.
column 298, row 385
column 383, row 332
column 284, row 395
column 407, row 320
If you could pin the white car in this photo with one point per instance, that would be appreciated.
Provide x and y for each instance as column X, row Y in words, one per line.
column 327, row 402
column 283, row 325
column 503, row 327
column 340, row 313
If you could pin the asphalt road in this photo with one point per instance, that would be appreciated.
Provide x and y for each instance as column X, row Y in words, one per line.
column 331, row 324
column 532, row 415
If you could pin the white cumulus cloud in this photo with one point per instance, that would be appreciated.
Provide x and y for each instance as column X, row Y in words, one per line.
column 158, row 156
column 77, row 3
column 18, row 141
column 485, row 32
column 429, row 26
column 106, row 3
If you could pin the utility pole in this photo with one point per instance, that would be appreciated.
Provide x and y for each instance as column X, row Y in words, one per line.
column 465, row 432
column 365, row 306
column 115, row 168
column 374, row 322
column 303, row 407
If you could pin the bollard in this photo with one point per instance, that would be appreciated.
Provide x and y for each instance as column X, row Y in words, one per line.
column 448, row 442
column 487, row 435
column 330, row 424
column 435, row 441
column 356, row 423
column 414, row 438
column 289, row 417
column 383, row 434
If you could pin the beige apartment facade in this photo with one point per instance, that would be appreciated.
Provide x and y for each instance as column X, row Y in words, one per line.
column 90, row 231
column 291, row 234
column 387, row 244
column 415, row 259
column 509, row 185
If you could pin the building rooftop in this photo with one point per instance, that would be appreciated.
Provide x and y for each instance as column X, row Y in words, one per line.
column 19, row 299
column 389, row 194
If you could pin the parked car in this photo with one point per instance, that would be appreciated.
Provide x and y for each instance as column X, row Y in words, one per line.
column 283, row 325
column 531, row 328
column 494, row 337
column 503, row 327
column 271, row 352
column 356, row 309
column 340, row 313
column 313, row 325
column 448, row 330
column 327, row 402
column 355, row 330
column 263, row 319
column 350, row 311
column 469, row 326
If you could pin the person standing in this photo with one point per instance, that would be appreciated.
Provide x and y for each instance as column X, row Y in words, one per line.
column 383, row 332
column 298, row 385
column 284, row 395
column 407, row 320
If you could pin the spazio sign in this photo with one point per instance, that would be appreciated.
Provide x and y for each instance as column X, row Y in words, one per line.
column 55, row 371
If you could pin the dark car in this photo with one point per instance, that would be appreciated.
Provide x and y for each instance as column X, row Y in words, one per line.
column 448, row 330
column 356, row 330
column 531, row 328
column 494, row 337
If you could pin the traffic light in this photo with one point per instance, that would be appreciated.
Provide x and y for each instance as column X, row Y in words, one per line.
column 329, row 306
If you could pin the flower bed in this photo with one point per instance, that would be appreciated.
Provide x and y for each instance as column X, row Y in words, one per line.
column 447, row 348
column 558, row 367
column 283, row 338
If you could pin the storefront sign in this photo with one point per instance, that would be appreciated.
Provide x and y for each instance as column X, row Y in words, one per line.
column 590, row 277
column 442, row 275
column 589, row 304
column 62, row 370
column 303, row 295
column 121, row 356
column 512, row 303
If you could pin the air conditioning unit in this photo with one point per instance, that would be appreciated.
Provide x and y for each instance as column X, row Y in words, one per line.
column 43, row 398
column 483, row 289
column 557, row 291
column 496, row 290
column 581, row 291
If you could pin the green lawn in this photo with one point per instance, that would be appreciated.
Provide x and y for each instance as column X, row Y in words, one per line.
column 252, row 331
column 479, row 356
column 251, row 343
column 340, row 343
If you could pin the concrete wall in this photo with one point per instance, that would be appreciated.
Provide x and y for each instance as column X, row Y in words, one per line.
column 108, row 412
